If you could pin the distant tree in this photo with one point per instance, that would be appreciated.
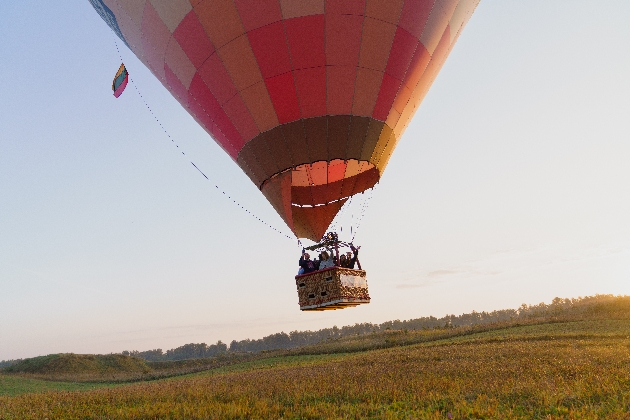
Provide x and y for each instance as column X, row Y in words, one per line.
column 7, row 363
column 295, row 339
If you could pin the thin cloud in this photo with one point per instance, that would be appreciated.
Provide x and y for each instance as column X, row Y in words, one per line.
column 409, row 286
column 441, row 276
column 440, row 273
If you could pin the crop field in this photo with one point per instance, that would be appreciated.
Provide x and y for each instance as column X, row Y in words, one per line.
column 578, row 369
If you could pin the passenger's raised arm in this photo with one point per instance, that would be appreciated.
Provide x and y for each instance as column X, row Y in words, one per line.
column 306, row 265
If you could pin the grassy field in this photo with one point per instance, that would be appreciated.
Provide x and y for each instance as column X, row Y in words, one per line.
column 111, row 368
column 571, row 364
column 578, row 369
column 17, row 385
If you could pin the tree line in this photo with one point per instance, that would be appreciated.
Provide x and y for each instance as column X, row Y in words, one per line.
column 7, row 363
column 295, row 339
column 187, row 351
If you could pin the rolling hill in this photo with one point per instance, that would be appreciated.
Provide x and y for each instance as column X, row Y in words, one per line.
column 571, row 361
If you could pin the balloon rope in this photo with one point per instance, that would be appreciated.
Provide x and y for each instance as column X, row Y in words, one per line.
column 336, row 224
column 193, row 164
column 366, row 203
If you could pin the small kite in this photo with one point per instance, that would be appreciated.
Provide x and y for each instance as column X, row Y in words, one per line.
column 120, row 81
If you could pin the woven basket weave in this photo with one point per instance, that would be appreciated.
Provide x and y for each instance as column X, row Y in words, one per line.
column 328, row 289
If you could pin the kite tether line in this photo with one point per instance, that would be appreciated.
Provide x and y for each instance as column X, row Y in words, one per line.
column 193, row 164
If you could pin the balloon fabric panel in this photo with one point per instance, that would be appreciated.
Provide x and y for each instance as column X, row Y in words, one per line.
column 193, row 39
column 345, row 7
column 366, row 91
column 384, row 10
column 259, row 103
column 237, row 111
column 284, row 97
column 280, row 84
column 215, row 76
column 338, row 136
column 270, row 48
column 172, row 12
column 176, row 59
column 295, row 138
column 306, row 41
column 343, row 39
column 240, row 62
column 178, row 90
column 357, row 132
column 376, row 43
column 221, row 21
column 403, row 48
column 340, row 90
column 277, row 149
column 155, row 39
column 297, row 8
column 258, row 13
column 414, row 16
column 311, row 89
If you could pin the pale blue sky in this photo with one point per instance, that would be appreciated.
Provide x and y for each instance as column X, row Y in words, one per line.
column 511, row 185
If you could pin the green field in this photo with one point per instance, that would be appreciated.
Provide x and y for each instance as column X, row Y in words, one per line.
column 15, row 385
column 571, row 366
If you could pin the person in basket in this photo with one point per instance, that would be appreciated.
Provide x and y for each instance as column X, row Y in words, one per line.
column 325, row 260
column 306, row 264
column 351, row 260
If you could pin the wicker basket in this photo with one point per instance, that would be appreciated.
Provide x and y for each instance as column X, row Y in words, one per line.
column 332, row 288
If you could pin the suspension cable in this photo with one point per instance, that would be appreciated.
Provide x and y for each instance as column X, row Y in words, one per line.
column 193, row 164
column 366, row 204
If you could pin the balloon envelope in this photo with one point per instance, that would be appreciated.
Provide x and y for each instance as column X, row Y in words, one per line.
column 308, row 97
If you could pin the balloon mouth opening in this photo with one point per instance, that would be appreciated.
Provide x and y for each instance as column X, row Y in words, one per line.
column 323, row 172
column 308, row 196
column 323, row 182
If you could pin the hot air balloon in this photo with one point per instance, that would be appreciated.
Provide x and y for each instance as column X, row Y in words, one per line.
column 337, row 285
column 308, row 97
